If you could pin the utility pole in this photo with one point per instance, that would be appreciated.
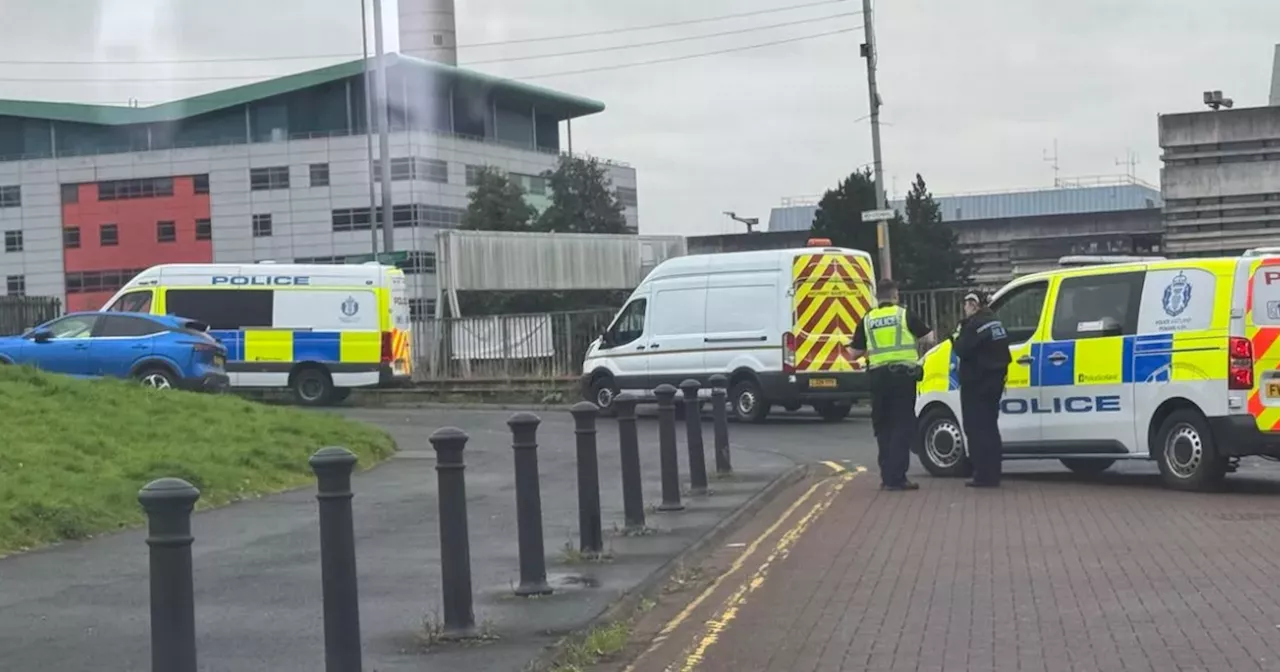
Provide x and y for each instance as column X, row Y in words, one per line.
column 384, row 140
column 869, row 53
column 368, row 124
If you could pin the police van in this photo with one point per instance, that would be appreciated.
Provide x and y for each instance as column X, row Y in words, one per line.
column 774, row 322
column 319, row 330
column 1176, row 360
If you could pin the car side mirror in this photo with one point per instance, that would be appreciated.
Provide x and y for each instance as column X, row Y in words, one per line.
column 42, row 336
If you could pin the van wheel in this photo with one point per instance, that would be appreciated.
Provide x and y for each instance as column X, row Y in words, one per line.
column 942, row 445
column 312, row 386
column 833, row 411
column 602, row 394
column 1087, row 466
column 749, row 404
column 1186, row 453
column 339, row 395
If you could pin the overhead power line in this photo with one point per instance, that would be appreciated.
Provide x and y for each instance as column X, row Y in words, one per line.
column 655, row 43
column 477, row 45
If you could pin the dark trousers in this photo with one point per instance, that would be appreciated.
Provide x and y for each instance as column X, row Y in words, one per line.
column 893, row 418
column 980, row 405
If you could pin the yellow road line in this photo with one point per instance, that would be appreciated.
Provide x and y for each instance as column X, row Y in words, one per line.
column 835, row 466
column 737, row 565
column 729, row 610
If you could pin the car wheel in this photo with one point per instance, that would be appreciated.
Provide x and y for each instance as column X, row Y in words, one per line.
column 942, row 445
column 1087, row 466
column 156, row 377
column 749, row 404
column 1186, row 453
column 602, row 394
column 312, row 386
column 833, row 411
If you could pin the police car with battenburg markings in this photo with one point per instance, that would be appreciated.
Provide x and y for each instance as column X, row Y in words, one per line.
column 317, row 329
column 1176, row 360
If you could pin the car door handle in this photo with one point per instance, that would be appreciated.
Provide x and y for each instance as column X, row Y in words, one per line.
column 140, row 346
column 82, row 346
column 1058, row 357
column 1026, row 359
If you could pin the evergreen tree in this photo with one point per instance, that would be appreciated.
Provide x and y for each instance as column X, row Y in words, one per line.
column 929, row 248
column 582, row 199
column 497, row 204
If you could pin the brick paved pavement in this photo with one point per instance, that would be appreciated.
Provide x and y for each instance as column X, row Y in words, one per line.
column 1050, row 573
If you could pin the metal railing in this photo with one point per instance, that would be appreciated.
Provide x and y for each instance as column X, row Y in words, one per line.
column 20, row 313
column 941, row 309
column 537, row 346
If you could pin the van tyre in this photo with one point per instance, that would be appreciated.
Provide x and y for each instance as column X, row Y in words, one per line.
column 312, row 386
column 1087, row 466
column 1185, row 450
column 339, row 395
column 941, row 447
column 602, row 393
column 749, row 404
column 833, row 411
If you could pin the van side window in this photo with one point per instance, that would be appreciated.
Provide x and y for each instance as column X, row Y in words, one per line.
column 630, row 324
column 223, row 308
column 1095, row 306
column 1020, row 309
column 133, row 302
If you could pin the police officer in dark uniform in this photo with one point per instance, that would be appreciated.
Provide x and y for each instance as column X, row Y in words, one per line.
column 982, row 346
column 890, row 337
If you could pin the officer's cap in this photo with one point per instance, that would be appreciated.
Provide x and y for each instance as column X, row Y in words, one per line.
column 974, row 297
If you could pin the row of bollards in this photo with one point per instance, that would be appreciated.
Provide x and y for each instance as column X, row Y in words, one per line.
column 169, row 502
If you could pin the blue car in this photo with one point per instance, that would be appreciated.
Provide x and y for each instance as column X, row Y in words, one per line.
column 160, row 351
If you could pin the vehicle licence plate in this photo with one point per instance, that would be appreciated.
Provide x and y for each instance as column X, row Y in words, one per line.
column 825, row 383
column 1273, row 389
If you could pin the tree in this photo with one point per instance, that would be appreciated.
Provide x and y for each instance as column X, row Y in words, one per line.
column 839, row 218
column 582, row 199
column 497, row 204
column 930, row 255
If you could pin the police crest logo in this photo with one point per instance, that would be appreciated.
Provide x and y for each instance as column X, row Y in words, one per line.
column 1273, row 310
column 350, row 307
column 1177, row 296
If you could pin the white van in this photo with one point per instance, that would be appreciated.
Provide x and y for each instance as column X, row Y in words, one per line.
column 775, row 322
column 315, row 328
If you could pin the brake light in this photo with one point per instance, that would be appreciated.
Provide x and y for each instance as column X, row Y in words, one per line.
column 1240, row 364
column 788, row 353
column 387, row 346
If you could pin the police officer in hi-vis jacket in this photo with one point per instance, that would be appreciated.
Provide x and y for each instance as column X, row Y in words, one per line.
column 890, row 337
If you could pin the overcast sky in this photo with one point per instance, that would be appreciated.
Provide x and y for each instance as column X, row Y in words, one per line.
column 975, row 93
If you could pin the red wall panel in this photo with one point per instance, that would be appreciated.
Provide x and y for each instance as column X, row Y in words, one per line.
column 87, row 300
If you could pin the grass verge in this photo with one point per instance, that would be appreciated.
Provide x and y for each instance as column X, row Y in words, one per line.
column 76, row 452
column 598, row 645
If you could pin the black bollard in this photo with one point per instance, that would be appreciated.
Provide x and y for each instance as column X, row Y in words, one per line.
column 693, row 433
column 455, row 542
column 629, row 447
column 720, row 419
column 670, row 456
column 591, row 532
column 333, row 467
column 533, row 561
column 168, row 503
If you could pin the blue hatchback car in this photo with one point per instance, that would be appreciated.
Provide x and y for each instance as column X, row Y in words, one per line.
column 160, row 351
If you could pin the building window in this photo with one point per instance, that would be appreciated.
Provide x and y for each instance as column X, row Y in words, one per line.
column 474, row 173
column 440, row 216
column 204, row 229
column 261, row 226
column 418, row 262
column 71, row 238
column 119, row 190
column 16, row 285
column 432, row 170
column 627, row 196
column 108, row 235
column 319, row 174
column 11, row 197
column 70, row 194
column 413, row 168
column 201, row 183
column 532, row 184
column 12, row 241
column 166, row 232
column 100, row 281
column 352, row 219
column 422, row 309
column 263, row 179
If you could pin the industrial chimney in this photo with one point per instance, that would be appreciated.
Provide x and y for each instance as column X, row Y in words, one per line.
column 428, row 30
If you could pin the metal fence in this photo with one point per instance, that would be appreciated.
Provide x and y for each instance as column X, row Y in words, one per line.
column 506, row 347
column 939, row 308
column 20, row 313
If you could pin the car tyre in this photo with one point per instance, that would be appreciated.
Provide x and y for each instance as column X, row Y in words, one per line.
column 602, row 393
column 312, row 386
column 157, row 377
column 1185, row 450
column 749, row 404
column 941, row 445
column 833, row 411
column 1087, row 466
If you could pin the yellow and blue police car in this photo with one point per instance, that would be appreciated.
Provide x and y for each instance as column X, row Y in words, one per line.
column 1175, row 360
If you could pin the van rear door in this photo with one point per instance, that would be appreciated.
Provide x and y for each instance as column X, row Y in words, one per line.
column 1262, row 328
column 832, row 290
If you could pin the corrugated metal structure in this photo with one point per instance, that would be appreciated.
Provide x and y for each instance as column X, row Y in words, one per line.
column 1073, row 196
column 494, row 261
